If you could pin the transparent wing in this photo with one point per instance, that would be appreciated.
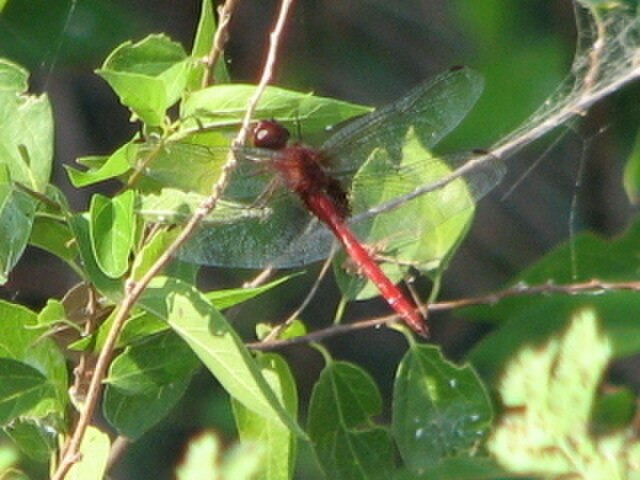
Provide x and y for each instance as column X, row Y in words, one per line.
column 420, row 232
column 286, row 237
column 433, row 109
column 244, row 230
column 388, row 151
column 420, row 214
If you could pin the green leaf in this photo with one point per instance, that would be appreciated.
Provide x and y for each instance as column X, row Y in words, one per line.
column 8, row 458
column 15, row 474
column 21, row 388
column 548, row 391
column 52, row 313
column 143, row 324
column 59, row 204
column 93, row 162
column 16, row 335
column 171, row 205
column 17, row 210
column 136, row 328
column 183, row 166
column 38, row 360
column 26, row 154
column 242, row 463
column 26, row 130
column 216, row 344
column 224, row 105
column 109, row 287
column 439, row 410
column 115, row 165
column 424, row 232
column 294, row 329
column 148, row 76
column 13, row 78
column 144, row 367
column 54, row 237
column 631, row 177
column 133, row 415
column 346, row 441
column 201, row 48
column 35, row 438
column 94, row 454
column 112, row 229
column 187, row 272
column 618, row 311
column 278, row 442
column 152, row 249
column 222, row 299
column 529, row 318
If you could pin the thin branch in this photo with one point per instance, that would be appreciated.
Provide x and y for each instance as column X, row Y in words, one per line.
column 591, row 287
column 133, row 289
column 259, row 279
column 219, row 40
column 312, row 293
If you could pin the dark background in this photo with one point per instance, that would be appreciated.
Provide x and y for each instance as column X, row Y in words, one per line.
column 365, row 51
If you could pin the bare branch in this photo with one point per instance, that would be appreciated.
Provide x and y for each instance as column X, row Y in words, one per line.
column 591, row 287
column 312, row 292
column 219, row 40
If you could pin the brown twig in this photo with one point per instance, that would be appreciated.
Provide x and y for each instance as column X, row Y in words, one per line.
column 133, row 289
column 590, row 287
column 219, row 40
column 259, row 279
column 312, row 292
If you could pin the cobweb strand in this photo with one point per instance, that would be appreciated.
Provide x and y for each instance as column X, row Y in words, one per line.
column 607, row 57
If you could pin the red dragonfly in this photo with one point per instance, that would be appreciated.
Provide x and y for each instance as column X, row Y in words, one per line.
column 369, row 181
column 300, row 169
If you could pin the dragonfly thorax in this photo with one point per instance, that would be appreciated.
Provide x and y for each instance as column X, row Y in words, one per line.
column 300, row 170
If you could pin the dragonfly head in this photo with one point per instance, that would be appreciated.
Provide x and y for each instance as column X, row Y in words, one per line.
column 269, row 134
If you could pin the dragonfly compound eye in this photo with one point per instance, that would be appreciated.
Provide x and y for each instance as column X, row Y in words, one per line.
column 270, row 134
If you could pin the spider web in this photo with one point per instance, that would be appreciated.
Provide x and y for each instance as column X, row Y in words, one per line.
column 607, row 57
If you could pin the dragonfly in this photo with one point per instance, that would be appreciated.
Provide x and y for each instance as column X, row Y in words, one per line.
column 356, row 188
